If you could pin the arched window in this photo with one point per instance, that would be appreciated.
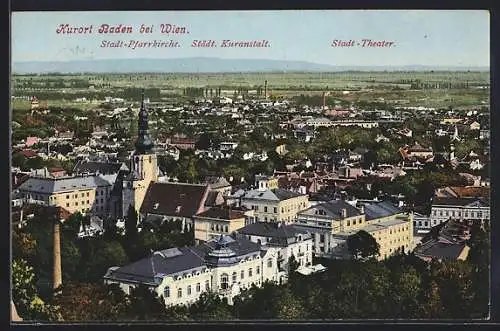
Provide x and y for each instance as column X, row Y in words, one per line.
column 250, row 272
column 166, row 292
column 179, row 293
column 217, row 227
column 234, row 277
column 224, row 281
column 189, row 290
column 198, row 287
column 257, row 270
column 242, row 274
column 207, row 285
column 269, row 263
column 226, row 229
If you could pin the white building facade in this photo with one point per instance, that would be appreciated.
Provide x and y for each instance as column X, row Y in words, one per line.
column 180, row 275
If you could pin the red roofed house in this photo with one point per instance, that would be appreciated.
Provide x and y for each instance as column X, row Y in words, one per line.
column 30, row 141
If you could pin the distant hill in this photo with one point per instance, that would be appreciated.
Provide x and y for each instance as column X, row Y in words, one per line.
column 205, row 65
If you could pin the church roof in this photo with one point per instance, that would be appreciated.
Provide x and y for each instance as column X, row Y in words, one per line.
column 174, row 199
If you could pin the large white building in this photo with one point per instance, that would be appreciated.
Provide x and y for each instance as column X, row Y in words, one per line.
column 472, row 209
column 180, row 275
column 289, row 240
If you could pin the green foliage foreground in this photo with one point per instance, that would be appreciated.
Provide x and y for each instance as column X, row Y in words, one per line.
column 401, row 287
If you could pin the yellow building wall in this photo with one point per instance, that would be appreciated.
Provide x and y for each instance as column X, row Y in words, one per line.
column 205, row 229
column 288, row 209
column 395, row 237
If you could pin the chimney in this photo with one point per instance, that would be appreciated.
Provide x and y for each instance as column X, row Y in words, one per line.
column 57, row 281
column 344, row 213
column 21, row 216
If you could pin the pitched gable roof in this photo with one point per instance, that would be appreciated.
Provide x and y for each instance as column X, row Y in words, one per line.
column 174, row 199
column 101, row 167
column 464, row 201
column 333, row 209
column 222, row 213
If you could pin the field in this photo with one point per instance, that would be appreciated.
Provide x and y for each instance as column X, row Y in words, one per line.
column 430, row 89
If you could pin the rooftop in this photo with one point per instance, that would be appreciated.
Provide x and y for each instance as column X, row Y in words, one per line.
column 174, row 199
column 63, row 184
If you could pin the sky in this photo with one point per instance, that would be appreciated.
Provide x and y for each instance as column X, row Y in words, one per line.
column 420, row 37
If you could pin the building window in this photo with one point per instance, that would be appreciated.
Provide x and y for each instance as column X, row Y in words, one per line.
column 269, row 263
column 348, row 223
column 242, row 274
column 275, row 210
column 67, row 204
column 76, row 203
column 88, row 194
column 257, row 270
column 426, row 223
column 226, row 229
column 354, row 222
column 67, row 196
column 250, row 272
column 282, row 210
column 265, row 209
column 189, row 290
column 234, row 277
column 217, row 227
column 166, row 292
column 207, row 285
column 212, row 226
column 88, row 202
column 83, row 195
column 179, row 293
column 198, row 287
column 102, row 200
column 224, row 281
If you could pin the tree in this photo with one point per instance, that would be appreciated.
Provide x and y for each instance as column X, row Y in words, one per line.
column 293, row 265
column 25, row 296
column 70, row 257
column 131, row 224
column 288, row 307
column 103, row 255
column 91, row 302
column 23, row 245
column 210, row 306
column 362, row 244
column 145, row 304
column 404, row 293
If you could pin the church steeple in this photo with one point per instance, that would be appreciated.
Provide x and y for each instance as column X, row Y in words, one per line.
column 143, row 144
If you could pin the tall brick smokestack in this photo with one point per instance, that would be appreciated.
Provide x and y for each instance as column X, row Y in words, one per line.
column 57, row 281
column 265, row 89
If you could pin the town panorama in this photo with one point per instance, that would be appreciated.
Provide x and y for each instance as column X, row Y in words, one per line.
column 243, row 196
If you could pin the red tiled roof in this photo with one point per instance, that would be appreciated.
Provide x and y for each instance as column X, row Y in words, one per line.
column 28, row 153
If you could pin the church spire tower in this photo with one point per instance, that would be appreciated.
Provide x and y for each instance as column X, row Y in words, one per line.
column 143, row 144
column 143, row 166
